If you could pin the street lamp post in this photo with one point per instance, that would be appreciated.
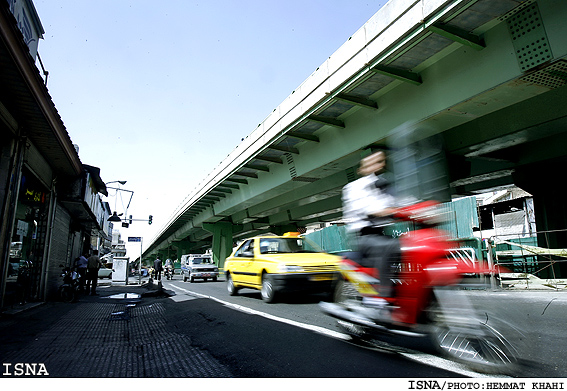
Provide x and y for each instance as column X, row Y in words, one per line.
column 115, row 217
column 138, row 239
column 140, row 264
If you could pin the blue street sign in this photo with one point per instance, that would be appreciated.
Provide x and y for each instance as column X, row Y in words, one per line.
column 134, row 239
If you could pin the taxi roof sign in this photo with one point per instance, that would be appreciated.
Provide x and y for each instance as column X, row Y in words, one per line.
column 291, row 234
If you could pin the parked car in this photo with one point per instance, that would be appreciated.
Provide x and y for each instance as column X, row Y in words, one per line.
column 13, row 268
column 275, row 264
column 16, row 250
column 104, row 272
column 198, row 266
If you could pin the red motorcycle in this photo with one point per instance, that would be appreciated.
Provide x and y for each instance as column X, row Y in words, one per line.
column 427, row 300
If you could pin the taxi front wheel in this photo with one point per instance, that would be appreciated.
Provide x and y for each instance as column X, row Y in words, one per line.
column 232, row 290
column 268, row 292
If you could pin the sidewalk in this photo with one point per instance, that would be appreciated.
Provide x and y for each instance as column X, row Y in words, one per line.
column 122, row 332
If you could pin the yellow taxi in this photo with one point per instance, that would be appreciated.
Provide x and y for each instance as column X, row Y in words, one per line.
column 275, row 264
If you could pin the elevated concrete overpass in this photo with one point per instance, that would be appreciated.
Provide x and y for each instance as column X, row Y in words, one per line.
column 487, row 75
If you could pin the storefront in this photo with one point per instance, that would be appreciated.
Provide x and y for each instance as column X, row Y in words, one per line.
column 27, row 249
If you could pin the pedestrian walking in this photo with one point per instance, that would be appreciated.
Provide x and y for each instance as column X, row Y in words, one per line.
column 158, row 268
column 81, row 264
column 92, row 272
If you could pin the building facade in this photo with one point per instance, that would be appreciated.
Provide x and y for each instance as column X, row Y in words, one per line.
column 50, row 205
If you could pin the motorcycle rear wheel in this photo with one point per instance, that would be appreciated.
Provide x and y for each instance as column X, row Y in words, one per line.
column 67, row 294
column 487, row 351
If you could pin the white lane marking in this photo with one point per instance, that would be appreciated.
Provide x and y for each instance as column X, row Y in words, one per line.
column 247, row 310
column 422, row 358
column 180, row 298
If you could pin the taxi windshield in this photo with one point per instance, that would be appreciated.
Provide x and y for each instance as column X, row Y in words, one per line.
column 287, row 246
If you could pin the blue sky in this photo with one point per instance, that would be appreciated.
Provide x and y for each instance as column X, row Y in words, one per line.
column 159, row 93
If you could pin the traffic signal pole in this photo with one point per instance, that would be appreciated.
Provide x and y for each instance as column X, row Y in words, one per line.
column 140, row 264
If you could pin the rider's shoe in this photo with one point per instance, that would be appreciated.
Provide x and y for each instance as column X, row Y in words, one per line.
column 377, row 309
column 374, row 302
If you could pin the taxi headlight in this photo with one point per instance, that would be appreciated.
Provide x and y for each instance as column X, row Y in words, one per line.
column 289, row 268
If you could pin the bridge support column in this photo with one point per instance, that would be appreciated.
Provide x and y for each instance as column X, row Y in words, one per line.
column 222, row 240
column 551, row 215
column 282, row 229
column 183, row 248
column 550, row 212
column 162, row 254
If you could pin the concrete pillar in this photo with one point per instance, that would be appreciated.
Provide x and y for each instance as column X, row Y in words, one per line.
column 281, row 229
column 183, row 248
column 222, row 240
column 551, row 215
column 543, row 183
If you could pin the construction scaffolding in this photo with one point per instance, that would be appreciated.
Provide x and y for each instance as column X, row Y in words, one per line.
column 529, row 259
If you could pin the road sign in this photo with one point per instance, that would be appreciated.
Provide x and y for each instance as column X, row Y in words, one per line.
column 134, row 239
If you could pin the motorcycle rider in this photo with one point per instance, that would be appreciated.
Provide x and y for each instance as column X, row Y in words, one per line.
column 368, row 205
column 168, row 269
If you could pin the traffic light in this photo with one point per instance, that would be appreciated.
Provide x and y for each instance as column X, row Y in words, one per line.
column 130, row 219
column 150, row 219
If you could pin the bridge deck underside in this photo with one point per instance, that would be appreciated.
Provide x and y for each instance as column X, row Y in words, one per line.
column 458, row 69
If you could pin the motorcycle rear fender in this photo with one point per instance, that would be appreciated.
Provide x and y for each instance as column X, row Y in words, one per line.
column 458, row 311
column 443, row 272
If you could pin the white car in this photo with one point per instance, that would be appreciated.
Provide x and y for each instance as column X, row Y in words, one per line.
column 198, row 266
column 16, row 250
column 104, row 272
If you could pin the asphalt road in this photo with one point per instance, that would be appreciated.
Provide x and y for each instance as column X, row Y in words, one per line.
column 294, row 338
column 253, row 345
